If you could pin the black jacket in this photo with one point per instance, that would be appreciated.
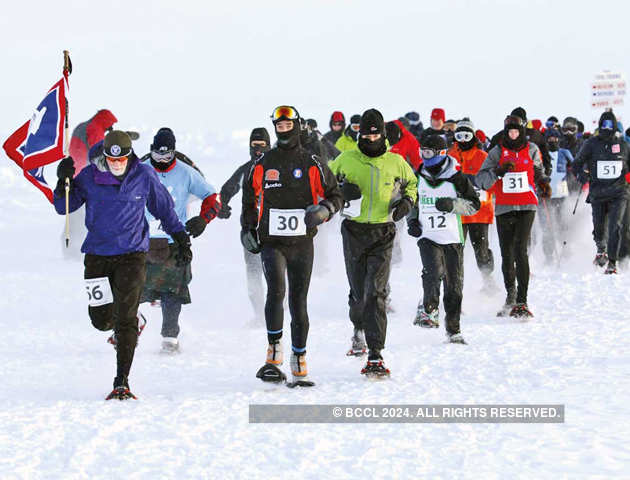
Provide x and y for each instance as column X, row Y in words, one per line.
column 233, row 184
column 596, row 150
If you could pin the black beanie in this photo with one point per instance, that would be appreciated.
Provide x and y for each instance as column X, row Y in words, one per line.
column 259, row 134
column 372, row 123
column 435, row 142
column 520, row 113
column 393, row 133
column 355, row 119
column 164, row 140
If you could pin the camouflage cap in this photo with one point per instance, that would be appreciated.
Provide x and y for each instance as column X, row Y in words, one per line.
column 117, row 144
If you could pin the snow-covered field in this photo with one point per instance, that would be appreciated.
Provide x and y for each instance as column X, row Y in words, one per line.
column 191, row 419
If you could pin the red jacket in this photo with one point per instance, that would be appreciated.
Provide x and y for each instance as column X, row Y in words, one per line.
column 408, row 147
column 470, row 162
column 87, row 134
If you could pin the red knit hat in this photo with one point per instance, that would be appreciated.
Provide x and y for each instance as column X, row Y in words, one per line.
column 438, row 114
column 338, row 117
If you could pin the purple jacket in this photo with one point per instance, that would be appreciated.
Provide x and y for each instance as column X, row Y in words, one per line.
column 114, row 212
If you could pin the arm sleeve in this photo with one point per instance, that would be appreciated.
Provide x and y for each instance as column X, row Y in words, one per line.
column 233, row 184
column 411, row 187
column 582, row 158
column 199, row 187
column 332, row 192
column 249, row 211
column 160, row 204
column 486, row 177
column 539, row 169
column 467, row 202
column 76, row 196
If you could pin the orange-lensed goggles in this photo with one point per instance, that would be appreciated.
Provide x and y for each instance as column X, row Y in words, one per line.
column 285, row 112
column 116, row 159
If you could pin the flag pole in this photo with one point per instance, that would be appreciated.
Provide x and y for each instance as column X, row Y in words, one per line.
column 67, row 69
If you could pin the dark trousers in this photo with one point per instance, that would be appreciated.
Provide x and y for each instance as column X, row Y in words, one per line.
column 608, row 219
column 296, row 262
column 171, row 308
column 514, row 229
column 479, row 238
column 126, row 275
column 367, row 250
column 443, row 262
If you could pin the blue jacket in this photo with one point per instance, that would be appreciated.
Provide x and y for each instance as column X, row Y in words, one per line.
column 181, row 181
column 114, row 214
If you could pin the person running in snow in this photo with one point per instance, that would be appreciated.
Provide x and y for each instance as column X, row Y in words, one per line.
column 467, row 151
column 167, row 278
column 402, row 142
column 437, row 125
column 515, row 166
column 348, row 141
column 604, row 161
column 444, row 194
column 337, row 125
column 553, row 219
column 116, row 191
column 286, row 195
column 259, row 143
column 383, row 188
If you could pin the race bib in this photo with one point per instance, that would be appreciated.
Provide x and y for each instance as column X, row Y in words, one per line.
column 434, row 222
column 99, row 291
column 352, row 208
column 609, row 169
column 515, row 182
column 286, row 223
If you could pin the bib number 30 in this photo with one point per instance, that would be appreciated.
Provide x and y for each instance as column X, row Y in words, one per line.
column 286, row 223
column 99, row 291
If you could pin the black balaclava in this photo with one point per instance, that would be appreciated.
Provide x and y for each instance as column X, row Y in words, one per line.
column 291, row 139
column 351, row 133
column 259, row 134
column 520, row 126
column 372, row 123
column 607, row 134
column 163, row 143
column 393, row 133
column 553, row 145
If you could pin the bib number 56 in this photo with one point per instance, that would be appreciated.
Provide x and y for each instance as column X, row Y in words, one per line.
column 99, row 291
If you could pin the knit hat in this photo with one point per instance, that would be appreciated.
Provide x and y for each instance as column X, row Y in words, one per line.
column 117, row 144
column 259, row 134
column 337, row 117
column 372, row 123
column 438, row 114
column 164, row 140
column 521, row 113
column 465, row 125
column 413, row 118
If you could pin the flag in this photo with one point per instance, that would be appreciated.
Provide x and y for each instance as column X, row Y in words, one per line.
column 40, row 141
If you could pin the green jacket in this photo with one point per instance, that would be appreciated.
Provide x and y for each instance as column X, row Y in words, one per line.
column 345, row 143
column 382, row 181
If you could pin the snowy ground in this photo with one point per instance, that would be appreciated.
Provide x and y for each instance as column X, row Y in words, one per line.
column 191, row 420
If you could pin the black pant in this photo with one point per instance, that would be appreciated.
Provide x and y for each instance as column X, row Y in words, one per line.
column 126, row 275
column 296, row 262
column 514, row 229
column 608, row 219
column 481, row 245
column 367, row 250
column 443, row 262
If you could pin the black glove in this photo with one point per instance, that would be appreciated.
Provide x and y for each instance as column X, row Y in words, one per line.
column 583, row 178
column 184, row 256
column 350, row 191
column 317, row 214
column 414, row 228
column 225, row 211
column 195, row 226
column 401, row 208
column 501, row 170
column 66, row 169
column 444, row 204
column 249, row 239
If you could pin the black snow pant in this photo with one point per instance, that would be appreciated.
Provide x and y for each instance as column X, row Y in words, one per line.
column 479, row 238
column 126, row 275
column 367, row 250
column 514, row 229
column 294, row 260
column 608, row 217
column 443, row 262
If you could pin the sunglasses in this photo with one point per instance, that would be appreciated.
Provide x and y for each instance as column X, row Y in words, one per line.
column 463, row 136
column 569, row 129
column 607, row 125
column 163, row 156
column 355, row 127
column 285, row 112
column 427, row 153
column 116, row 159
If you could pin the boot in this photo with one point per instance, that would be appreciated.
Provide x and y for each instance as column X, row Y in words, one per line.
column 426, row 319
column 611, row 269
column 520, row 310
column 121, row 390
column 299, row 371
column 600, row 259
column 274, row 354
column 375, row 367
column 359, row 347
column 170, row 345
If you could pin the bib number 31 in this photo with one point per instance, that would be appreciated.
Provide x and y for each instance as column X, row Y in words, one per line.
column 515, row 182
column 99, row 291
column 286, row 223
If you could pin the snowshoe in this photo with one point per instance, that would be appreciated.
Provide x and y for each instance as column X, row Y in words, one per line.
column 520, row 310
column 427, row 319
column 142, row 322
column 121, row 393
column 611, row 269
column 601, row 259
column 359, row 348
column 375, row 368
column 455, row 338
column 170, row 346
column 271, row 373
column 299, row 371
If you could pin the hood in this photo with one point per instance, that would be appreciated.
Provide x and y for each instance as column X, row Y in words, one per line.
column 104, row 118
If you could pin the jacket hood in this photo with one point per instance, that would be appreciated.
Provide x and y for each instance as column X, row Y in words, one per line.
column 104, row 118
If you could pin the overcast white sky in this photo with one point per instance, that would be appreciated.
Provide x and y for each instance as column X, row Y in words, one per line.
column 223, row 66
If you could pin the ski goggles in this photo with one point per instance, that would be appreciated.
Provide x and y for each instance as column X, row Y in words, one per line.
column 284, row 112
column 607, row 125
column 164, row 157
column 116, row 159
column 355, row 127
column 428, row 153
column 550, row 124
column 569, row 129
column 464, row 136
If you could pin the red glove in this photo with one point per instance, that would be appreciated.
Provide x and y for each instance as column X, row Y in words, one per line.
column 628, row 177
column 210, row 207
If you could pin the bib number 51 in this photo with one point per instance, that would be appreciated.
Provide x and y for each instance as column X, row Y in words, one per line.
column 99, row 291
